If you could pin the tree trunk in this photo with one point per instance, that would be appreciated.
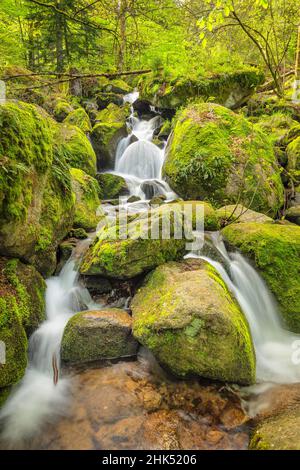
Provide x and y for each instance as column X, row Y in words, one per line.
column 59, row 38
column 122, row 35
column 297, row 64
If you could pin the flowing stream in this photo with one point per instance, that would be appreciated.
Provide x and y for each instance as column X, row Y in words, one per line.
column 38, row 400
column 274, row 346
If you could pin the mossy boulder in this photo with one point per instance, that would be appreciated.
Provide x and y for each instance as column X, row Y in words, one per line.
column 117, row 86
column 293, row 214
column 22, row 309
column 79, row 118
column 240, row 214
column 277, row 125
column 87, row 205
column 111, row 186
column 100, row 334
column 73, row 145
column 275, row 250
column 279, row 432
column 189, row 320
column 36, row 200
column 110, row 128
column 293, row 154
column 125, row 250
column 62, row 109
column 214, row 154
column 230, row 90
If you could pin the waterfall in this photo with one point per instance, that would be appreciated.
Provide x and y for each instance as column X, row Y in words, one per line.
column 140, row 162
column 36, row 399
column 274, row 346
column 142, row 159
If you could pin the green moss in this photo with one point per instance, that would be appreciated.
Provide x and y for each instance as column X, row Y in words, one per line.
column 22, row 309
column 103, row 334
column 217, row 155
column 72, row 144
column 79, row 118
column 4, row 393
column 186, row 316
column 111, row 186
column 25, row 143
column 178, row 91
column 113, row 113
column 87, row 200
column 276, row 252
column 276, row 125
column 62, row 109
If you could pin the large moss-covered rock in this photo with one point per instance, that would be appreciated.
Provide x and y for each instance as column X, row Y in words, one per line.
column 110, row 128
column 275, row 249
column 123, row 251
column 231, row 90
column 86, row 190
column 279, row 432
column 99, row 334
column 187, row 317
column 112, row 186
column 216, row 155
column 240, row 214
column 22, row 309
column 79, row 118
column 36, row 200
column 73, row 145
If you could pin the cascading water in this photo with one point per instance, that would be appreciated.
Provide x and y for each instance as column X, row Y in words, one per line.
column 138, row 160
column 37, row 399
column 274, row 346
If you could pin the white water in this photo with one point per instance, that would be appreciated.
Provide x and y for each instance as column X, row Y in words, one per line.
column 140, row 162
column 37, row 399
column 274, row 346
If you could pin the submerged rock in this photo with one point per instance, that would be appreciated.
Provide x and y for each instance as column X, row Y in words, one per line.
column 22, row 309
column 87, row 208
column 186, row 316
column 96, row 335
column 279, row 432
column 214, row 154
column 275, row 250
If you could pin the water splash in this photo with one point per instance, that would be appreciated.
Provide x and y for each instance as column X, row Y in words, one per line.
column 36, row 400
column 274, row 346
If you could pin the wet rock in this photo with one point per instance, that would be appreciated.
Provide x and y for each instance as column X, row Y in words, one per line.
column 112, row 186
column 158, row 200
column 96, row 335
column 144, row 109
column 132, row 199
column 275, row 250
column 189, row 320
column 109, row 410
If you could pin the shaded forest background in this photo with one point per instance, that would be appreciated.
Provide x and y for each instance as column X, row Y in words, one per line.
column 191, row 37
